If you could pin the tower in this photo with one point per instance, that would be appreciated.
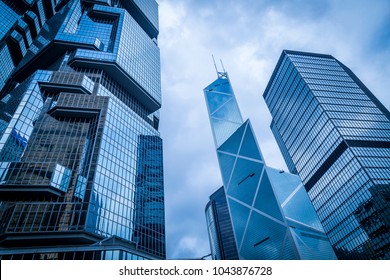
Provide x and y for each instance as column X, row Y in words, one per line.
column 336, row 136
column 219, row 225
column 81, row 174
column 270, row 213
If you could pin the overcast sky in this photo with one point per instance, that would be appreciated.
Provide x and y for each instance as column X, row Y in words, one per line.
column 249, row 36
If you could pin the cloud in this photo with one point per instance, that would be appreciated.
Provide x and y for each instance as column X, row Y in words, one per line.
column 190, row 246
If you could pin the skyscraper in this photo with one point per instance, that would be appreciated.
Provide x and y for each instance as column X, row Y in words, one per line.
column 270, row 213
column 81, row 173
column 336, row 136
column 219, row 225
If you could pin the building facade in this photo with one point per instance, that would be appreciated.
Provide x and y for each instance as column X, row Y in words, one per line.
column 81, row 168
column 270, row 213
column 336, row 135
column 219, row 227
column 21, row 22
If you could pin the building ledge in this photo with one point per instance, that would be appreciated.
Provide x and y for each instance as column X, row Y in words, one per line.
column 10, row 192
column 120, row 76
column 33, row 239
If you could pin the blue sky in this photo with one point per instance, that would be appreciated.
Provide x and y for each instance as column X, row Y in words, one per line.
column 249, row 36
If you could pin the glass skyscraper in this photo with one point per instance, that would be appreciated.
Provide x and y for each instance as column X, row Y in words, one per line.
column 335, row 134
column 81, row 167
column 219, row 225
column 271, row 215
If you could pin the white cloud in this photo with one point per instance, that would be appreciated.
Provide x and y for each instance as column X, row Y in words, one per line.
column 191, row 246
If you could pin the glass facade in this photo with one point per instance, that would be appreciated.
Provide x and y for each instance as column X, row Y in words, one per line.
column 271, row 214
column 20, row 23
column 222, row 243
column 81, row 162
column 336, row 135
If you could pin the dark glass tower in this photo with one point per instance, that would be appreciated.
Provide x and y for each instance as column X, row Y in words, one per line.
column 270, row 212
column 219, row 225
column 81, row 174
column 336, row 135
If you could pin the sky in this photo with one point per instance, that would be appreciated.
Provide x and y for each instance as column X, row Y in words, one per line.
column 248, row 36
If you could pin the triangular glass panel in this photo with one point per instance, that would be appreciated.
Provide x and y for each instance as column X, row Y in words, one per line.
column 305, row 213
column 239, row 215
column 229, row 111
column 305, row 250
column 216, row 100
column 249, row 146
column 314, row 246
column 245, row 179
column 220, row 85
column 232, row 144
column 288, row 252
column 266, row 200
column 263, row 238
column 224, row 86
column 284, row 183
column 226, row 163
column 223, row 130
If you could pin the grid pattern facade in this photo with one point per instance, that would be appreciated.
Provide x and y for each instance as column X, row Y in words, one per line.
column 149, row 8
column 337, row 137
column 80, row 152
column 222, row 243
column 6, row 64
column 271, row 215
column 20, row 21
column 114, row 254
column 9, row 18
column 283, row 150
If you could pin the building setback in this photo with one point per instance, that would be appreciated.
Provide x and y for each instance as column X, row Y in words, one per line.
column 271, row 215
column 336, row 135
column 81, row 174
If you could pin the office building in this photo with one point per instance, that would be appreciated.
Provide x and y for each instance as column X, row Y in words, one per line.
column 336, row 136
column 271, row 215
column 81, row 168
column 219, row 226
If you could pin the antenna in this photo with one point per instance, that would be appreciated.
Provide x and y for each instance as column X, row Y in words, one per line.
column 223, row 74
column 223, row 68
column 215, row 65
